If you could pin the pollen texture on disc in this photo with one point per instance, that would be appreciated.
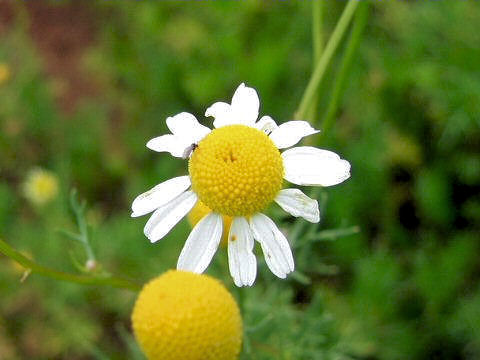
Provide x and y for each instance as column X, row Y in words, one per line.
column 185, row 316
column 236, row 170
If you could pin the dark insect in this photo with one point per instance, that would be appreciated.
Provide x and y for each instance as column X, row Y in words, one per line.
column 189, row 150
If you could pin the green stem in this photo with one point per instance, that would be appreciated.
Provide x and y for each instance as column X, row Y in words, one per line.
column 78, row 209
column 317, row 31
column 13, row 254
column 327, row 55
column 84, row 236
column 317, row 39
column 352, row 46
column 333, row 234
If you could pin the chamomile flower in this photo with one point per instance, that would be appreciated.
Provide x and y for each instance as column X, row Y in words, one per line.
column 237, row 170
column 40, row 186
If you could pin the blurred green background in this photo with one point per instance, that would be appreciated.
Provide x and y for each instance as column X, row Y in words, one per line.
column 85, row 84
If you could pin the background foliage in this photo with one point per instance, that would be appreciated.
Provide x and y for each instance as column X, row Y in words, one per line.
column 90, row 82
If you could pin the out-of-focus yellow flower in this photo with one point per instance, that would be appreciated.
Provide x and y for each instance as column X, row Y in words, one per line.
column 200, row 210
column 4, row 73
column 185, row 316
column 40, row 186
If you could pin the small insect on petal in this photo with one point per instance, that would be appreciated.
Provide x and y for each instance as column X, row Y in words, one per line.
column 188, row 151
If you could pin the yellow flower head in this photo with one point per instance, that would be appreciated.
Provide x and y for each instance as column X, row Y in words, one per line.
column 40, row 186
column 185, row 316
column 236, row 170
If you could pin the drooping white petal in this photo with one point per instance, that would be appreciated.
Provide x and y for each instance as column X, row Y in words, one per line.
column 290, row 133
column 169, row 143
column 167, row 216
column 201, row 244
column 222, row 112
column 276, row 249
column 186, row 127
column 266, row 124
column 306, row 165
column 241, row 261
column 296, row 203
column 159, row 195
column 245, row 105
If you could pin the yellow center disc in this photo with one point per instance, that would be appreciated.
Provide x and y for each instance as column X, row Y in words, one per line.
column 236, row 170
column 185, row 316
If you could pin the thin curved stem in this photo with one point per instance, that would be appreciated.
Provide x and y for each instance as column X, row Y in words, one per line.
column 317, row 28
column 79, row 212
column 327, row 55
column 352, row 45
column 317, row 42
column 13, row 254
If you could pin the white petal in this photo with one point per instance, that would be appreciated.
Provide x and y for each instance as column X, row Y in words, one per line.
column 245, row 105
column 306, row 165
column 167, row 216
column 296, row 203
column 222, row 112
column 159, row 195
column 186, row 127
column 266, row 124
column 169, row 143
column 275, row 246
column 290, row 133
column 241, row 261
column 201, row 244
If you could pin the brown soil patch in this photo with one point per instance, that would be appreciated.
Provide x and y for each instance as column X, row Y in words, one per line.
column 62, row 33
column 6, row 15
